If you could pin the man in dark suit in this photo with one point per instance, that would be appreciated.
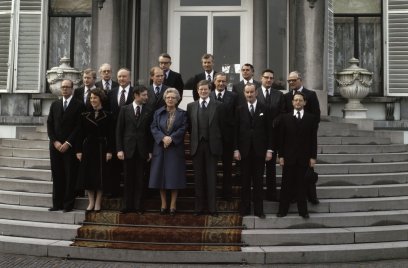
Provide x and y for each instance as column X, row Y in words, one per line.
column 118, row 97
column 274, row 100
column 156, row 90
column 106, row 82
column 207, row 62
column 228, row 106
column 206, row 146
column 171, row 78
column 247, row 72
column 253, row 146
column 83, row 93
column 62, row 128
column 134, row 147
column 312, row 106
column 297, row 152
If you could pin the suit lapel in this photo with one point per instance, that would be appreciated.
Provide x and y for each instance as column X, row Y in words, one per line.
column 211, row 109
column 261, row 96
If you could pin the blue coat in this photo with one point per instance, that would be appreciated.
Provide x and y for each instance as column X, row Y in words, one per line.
column 168, row 168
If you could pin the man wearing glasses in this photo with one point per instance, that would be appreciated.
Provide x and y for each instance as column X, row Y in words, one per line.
column 171, row 78
column 273, row 99
column 106, row 82
column 312, row 106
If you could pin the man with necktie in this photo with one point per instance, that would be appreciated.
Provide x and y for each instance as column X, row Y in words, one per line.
column 157, row 88
column 253, row 147
column 274, row 101
column 207, row 63
column 297, row 153
column 228, row 101
column 170, row 77
column 206, row 146
column 247, row 73
column 83, row 93
column 106, row 82
column 62, row 129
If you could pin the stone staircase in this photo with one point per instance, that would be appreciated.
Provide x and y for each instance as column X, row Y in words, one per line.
column 363, row 213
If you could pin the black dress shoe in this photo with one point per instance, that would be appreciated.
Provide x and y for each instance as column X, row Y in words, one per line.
column 163, row 211
column 67, row 210
column 260, row 215
column 198, row 213
column 173, row 212
column 305, row 216
column 314, row 201
column 53, row 209
column 281, row 215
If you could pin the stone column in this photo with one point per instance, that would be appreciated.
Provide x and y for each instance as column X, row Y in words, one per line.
column 260, row 37
column 306, row 46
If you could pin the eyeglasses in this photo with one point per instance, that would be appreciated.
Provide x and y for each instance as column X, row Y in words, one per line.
column 164, row 62
column 292, row 80
column 106, row 71
column 268, row 77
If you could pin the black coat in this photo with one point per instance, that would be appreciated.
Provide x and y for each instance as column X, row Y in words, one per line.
column 238, row 88
column 228, row 106
column 192, row 83
column 175, row 80
column 312, row 102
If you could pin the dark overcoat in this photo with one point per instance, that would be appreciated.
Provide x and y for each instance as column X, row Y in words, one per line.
column 168, row 168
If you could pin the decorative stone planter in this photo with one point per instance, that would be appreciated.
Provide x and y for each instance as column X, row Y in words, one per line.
column 354, row 85
column 62, row 72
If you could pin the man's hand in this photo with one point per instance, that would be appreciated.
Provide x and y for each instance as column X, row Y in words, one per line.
column 237, row 155
column 121, row 155
column 108, row 156
column 312, row 162
column 268, row 156
column 64, row 147
column 57, row 145
column 79, row 156
column 281, row 161
column 150, row 157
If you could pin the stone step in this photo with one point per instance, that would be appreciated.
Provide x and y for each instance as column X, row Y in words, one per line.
column 33, row 136
column 324, row 236
column 362, row 149
column 362, row 191
column 362, row 158
column 30, row 144
column 354, row 140
column 24, row 162
column 332, row 253
column 328, row 220
column 40, row 214
column 25, row 199
column 42, row 128
column 63, row 249
column 361, row 168
column 344, row 132
column 33, row 186
column 25, row 173
column 325, row 126
column 347, row 205
column 43, row 230
column 363, row 179
column 20, row 152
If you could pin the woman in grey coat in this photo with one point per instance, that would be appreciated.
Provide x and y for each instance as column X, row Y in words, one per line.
column 168, row 168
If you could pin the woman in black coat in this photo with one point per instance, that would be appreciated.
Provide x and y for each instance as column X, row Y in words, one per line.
column 94, row 149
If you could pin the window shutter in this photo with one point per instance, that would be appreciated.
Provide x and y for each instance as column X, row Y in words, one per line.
column 28, row 65
column 5, row 46
column 396, row 47
column 330, row 49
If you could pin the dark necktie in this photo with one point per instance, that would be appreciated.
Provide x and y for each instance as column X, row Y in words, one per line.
column 122, row 99
column 137, row 113
column 298, row 116
column 268, row 96
column 157, row 92
column 209, row 78
column 107, row 86
column 65, row 104
column 86, row 96
column 203, row 104
column 219, row 97
column 251, row 110
column 164, row 77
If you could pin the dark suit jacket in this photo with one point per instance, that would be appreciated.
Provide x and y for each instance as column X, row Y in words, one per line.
column 153, row 101
column 312, row 102
column 192, row 83
column 79, row 95
column 228, row 106
column 113, row 101
column 238, row 88
column 134, row 136
column 255, row 132
column 277, row 104
column 215, row 136
column 298, row 138
column 174, row 80
column 64, row 126
column 114, row 84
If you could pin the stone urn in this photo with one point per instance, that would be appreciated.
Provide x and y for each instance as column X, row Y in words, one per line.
column 354, row 85
column 62, row 72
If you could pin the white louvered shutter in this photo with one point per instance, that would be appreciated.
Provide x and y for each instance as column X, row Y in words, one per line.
column 330, row 48
column 28, row 63
column 396, row 47
column 6, row 52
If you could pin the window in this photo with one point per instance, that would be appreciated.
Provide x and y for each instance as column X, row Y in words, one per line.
column 358, row 34
column 70, row 28
column 21, row 49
